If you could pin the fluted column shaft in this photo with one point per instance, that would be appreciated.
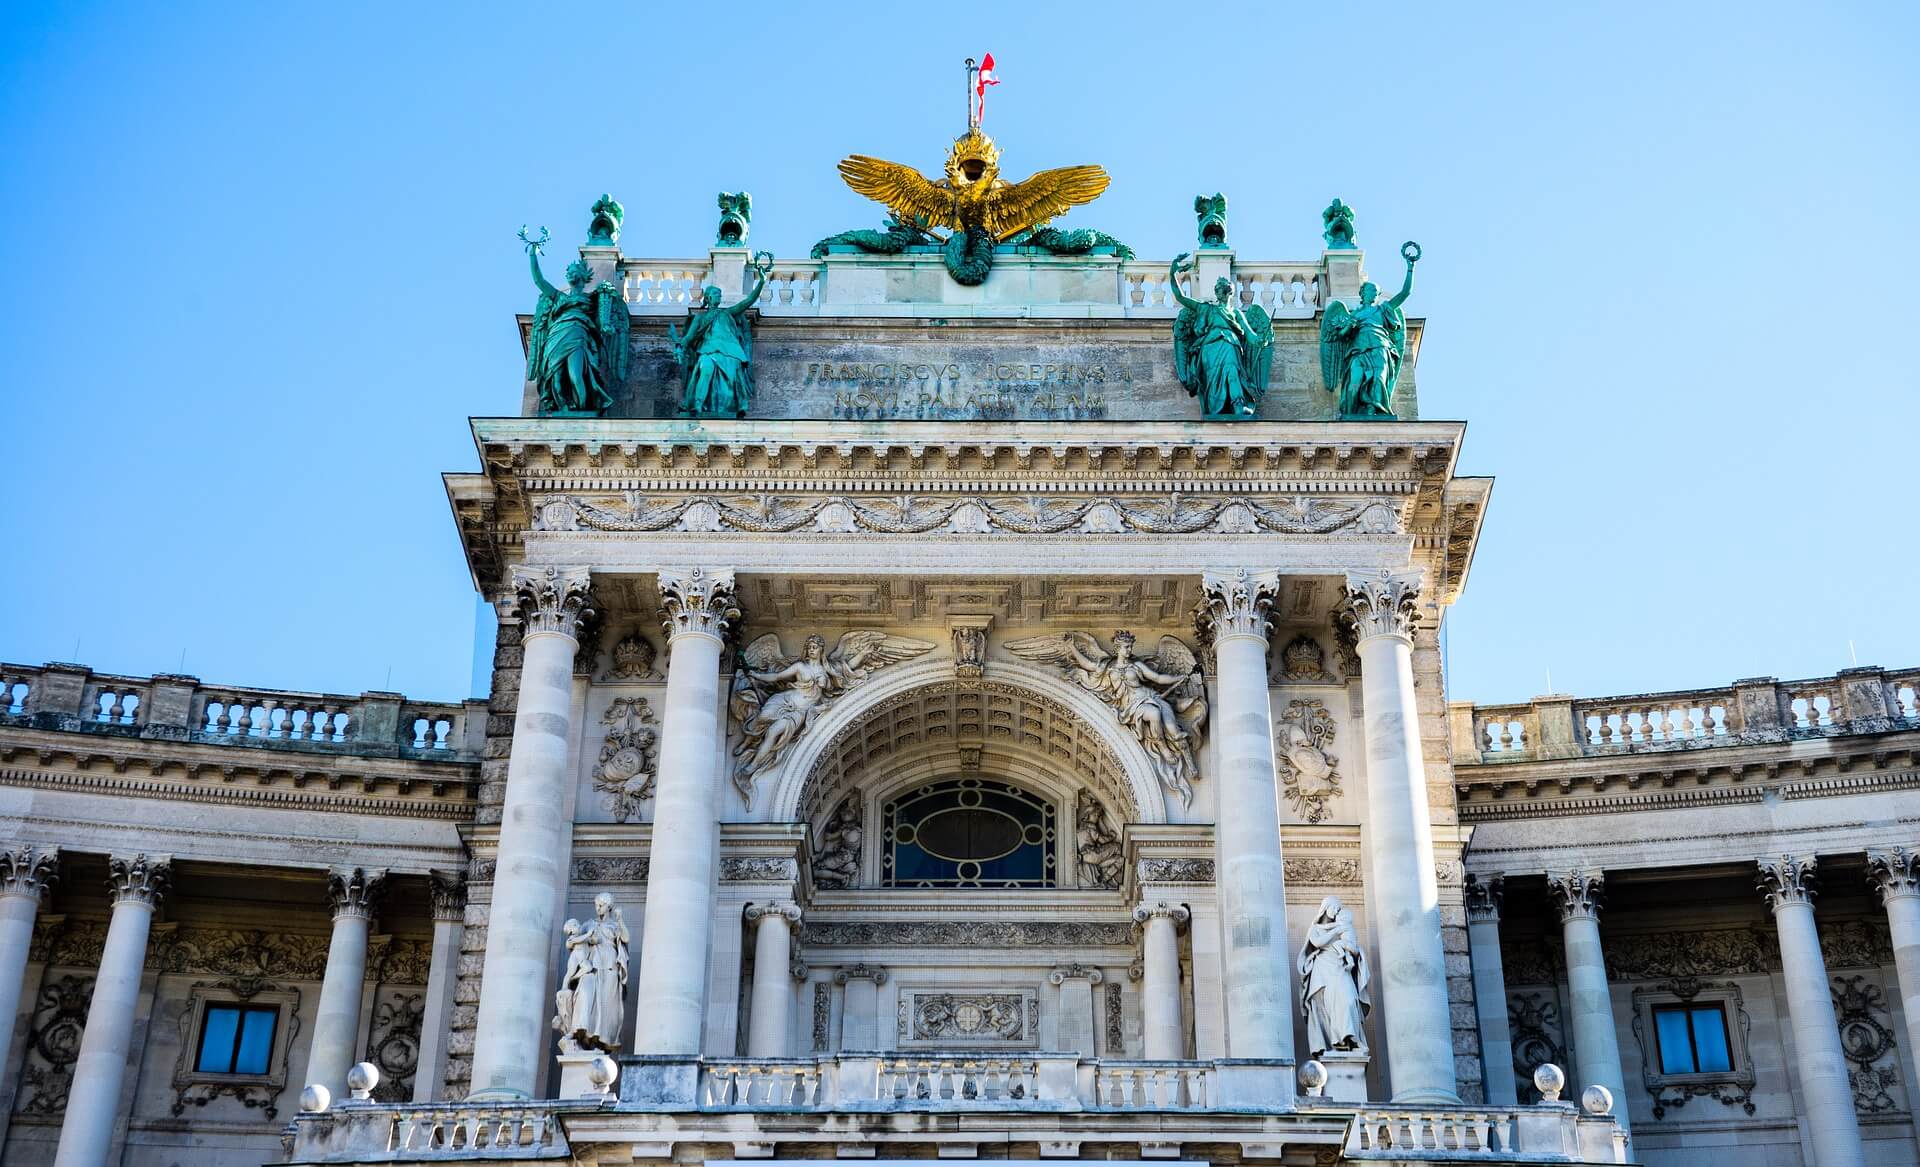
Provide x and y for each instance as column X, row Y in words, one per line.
column 1596, row 1040
column 1165, row 1037
column 1490, row 989
column 336, row 1020
column 93, row 1100
column 1896, row 873
column 511, row 1031
column 682, row 870
column 1819, row 1061
column 25, row 873
column 770, row 1015
column 1404, row 892
column 1257, row 964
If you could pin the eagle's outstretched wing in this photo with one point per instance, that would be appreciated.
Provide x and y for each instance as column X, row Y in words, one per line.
column 904, row 190
column 1047, row 195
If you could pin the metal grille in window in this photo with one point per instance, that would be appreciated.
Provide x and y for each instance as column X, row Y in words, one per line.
column 965, row 832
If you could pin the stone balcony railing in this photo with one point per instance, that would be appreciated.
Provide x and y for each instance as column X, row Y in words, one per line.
column 74, row 699
column 1749, row 712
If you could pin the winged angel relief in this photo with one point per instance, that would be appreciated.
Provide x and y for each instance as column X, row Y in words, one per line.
column 1161, row 698
column 775, row 696
column 981, row 209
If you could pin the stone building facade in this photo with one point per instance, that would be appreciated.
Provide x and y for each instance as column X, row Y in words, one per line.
column 969, row 888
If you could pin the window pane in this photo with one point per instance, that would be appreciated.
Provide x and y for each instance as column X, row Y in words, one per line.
column 256, row 1041
column 1676, row 1051
column 1710, row 1038
column 216, row 1040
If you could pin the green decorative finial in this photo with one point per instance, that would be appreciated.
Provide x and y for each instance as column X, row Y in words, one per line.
column 1221, row 352
column 578, row 348
column 1361, row 349
column 716, row 351
column 1213, row 219
column 1337, row 226
column 736, row 216
column 604, row 230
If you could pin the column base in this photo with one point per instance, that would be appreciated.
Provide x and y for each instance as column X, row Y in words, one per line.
column 1346, row 1075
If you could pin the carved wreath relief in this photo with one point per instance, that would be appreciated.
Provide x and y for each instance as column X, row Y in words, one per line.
column 53, row 1045
column 628, row 757
column 1306, row 760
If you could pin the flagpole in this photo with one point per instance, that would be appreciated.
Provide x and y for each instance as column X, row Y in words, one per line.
column 973, row 119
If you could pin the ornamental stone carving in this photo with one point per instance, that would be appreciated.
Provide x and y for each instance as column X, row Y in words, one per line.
column 53, row 1046
column 393, row 1044
column 1335, row 872
column 1382, row 603
column 1175, row 870
column 1484, row 897
column 1716, row 952
column 1303, row 662
column 1235, row 603
column 553, row 599
column 353, row 891
column 1577, row 894
column 1101, row 861
column 1894, row 872
column 987, row 1018
column 1178, row 913
column 822, row 1012
column 26, row 870
column 598, row 869
column 1787, row 880
column 139, row 879
column 633, row 659
column 758, row 869
column 861, row 972
column 448, row 891
column 837, row 863
column 970, row 646
column 699, row 601
column 969, row 933
column 1306, row 761
column 1867, row 1041
column 629, row 757
column 1075, row 972
column 785, row 910
column 589, row 1006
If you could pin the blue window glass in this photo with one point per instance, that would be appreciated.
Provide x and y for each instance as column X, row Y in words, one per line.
column 1692, row 1039
column 966, row 832
column 256, row 1041
column 1710, row 1050
column 236, row 1039
column 216, row 1040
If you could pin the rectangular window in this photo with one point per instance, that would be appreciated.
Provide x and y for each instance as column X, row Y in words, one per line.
column 1692, row 1039
column 236, row 1039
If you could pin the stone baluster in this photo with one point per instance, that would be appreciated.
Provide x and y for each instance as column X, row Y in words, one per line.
column 860, row 1007
column 1820, row 1063
column 1896, row 873
column 1404, row 893
column 1075, row 1027
column 25, row 873
column 1490, row 988
column 136, row 883
column 698, row 609
column 1164, row 1035
column 448, row 891
column 336, row 1021
column 1258, row 963
column 770, row 1016
column 1596, row 1042
column 510, row 1030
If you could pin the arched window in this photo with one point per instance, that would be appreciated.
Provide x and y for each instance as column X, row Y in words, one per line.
column 967, row 832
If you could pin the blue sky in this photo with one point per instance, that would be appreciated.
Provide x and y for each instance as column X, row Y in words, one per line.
column 264, row 268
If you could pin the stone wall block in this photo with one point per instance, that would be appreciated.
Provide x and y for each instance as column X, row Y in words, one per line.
column 470, row 964
column 462, row 1017
column 460, row 1042
column 467, row 992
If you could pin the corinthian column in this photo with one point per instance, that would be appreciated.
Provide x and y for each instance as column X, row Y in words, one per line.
column 1164, row 1035
column 1819, row 1061
column 1596, row 1043
column 770, row 1016
column 1896, row 872
column 1490, row 988
column 136, row 883
column 25, row 872
column 1253, row 894
column 336, row 1021
column 681, row 873
column 511, row 1025
column 1404, row 893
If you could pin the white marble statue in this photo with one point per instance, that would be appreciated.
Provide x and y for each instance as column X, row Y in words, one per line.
column 590, row 1003
column 1334, row 982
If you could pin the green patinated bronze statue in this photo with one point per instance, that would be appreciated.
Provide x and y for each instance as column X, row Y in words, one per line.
column 894, row 239
column 577, row 350
column 1213, row 219
column 1221, row 353
column 736, row 216
column 1336, row 226
column 716, row 351
column 1360, row 349
column 1054, row 241
column 604, row 230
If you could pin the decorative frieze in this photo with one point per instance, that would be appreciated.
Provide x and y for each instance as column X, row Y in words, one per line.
column 1235, row 603
column 1382, row 603
column 1179, row 869
column 27, row 870
column 758, row 869
column 1855, row 943
column 968, row 933
column 697, row 601
column 1788, row 880
column 141, row 879
column 979, row 1019
column 1695, row 953
column 1894, row 872
column 553, row 599
column 353, row 891
column 610, row 869
column 1320, row 872
column 1576, row 894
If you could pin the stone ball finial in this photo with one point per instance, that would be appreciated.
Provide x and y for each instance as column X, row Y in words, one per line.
column 1597, row 1100
column 315, row 1099
column 602, row 1071
column 1313, row 1078
column 1549, row 1080
column 361, row 1080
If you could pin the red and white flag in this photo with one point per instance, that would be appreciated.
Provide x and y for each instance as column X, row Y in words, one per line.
column 984, row 79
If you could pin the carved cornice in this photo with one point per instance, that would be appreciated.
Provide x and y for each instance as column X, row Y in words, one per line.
column 1484, row 897
column 1235, row 603
column 780, row 910
column 553, row 599
column 353, row 891
column 1075, row 972
column 1577, row 894
column 139, row 879
column 1383, row 603
column 26, row 870
column 1895, row 872
column 698, row 602
column 448, row 891
column 1787, row 880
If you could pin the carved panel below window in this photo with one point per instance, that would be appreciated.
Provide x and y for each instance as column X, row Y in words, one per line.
column 969, row 1019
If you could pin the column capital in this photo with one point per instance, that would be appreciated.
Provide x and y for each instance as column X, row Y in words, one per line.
column 1577, row 893
column 140, row 878
column 1178, row 913
column 699, row 601
column 779, row 909
column 1788, row 880
column 1235, row 603
column 1895, row 871
column 1382, row 603
column 1485, row 897
column 861, row 972
column 27, row 870
column 448, row 890
column 554, row 599
column 1075, row 972
column 354, row 890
